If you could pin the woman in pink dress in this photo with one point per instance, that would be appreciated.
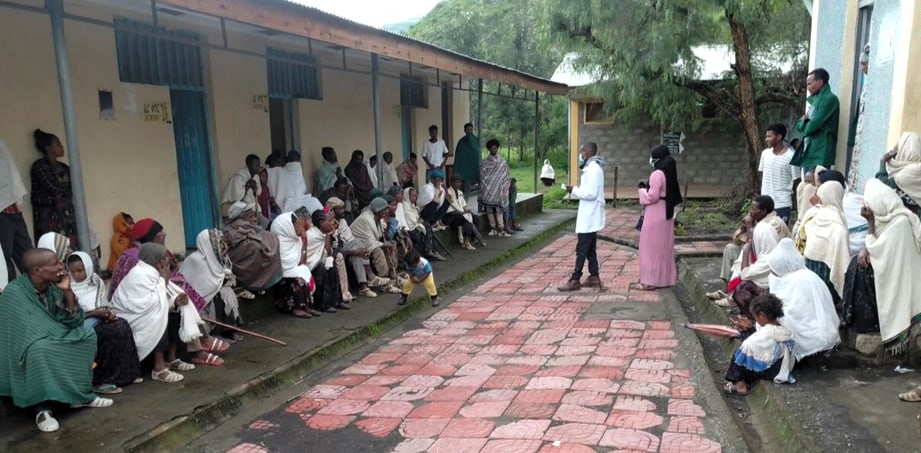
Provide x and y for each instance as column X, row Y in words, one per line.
column 657, row 236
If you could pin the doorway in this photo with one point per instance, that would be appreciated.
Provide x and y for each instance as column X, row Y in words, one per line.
column 193, row 160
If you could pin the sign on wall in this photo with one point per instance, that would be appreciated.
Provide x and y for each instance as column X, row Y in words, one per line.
column 261, row 102
column 673, row 141
column 157, row 112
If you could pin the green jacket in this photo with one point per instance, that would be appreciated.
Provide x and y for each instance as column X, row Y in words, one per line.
column 820, row 132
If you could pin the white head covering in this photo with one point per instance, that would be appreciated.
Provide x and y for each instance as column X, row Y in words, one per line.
column 12, row 190
column 142, row 300
column 785, row 259
column 238, row 208
column 547, row 170
column 827, row 234
column 91, row 292
column 57, row 243
column 204, row 268
column 887, row 206
column 905, row 167
column 290, row 245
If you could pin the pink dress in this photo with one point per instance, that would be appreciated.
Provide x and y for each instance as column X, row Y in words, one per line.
column 657, row 238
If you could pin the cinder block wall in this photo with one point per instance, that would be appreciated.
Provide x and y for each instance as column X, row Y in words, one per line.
column 712, row 159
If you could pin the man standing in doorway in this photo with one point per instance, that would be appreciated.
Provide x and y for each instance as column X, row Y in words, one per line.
column 329, row 170
column 590, row 218
column 777, row 174
column 467, row 158
column 819, row 125
column 434, row 153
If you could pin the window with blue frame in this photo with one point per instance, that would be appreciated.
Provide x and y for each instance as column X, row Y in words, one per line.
column 292, row 75
column 153, row 55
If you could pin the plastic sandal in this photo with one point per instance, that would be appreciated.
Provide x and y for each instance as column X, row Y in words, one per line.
column 179, row 365
column 167, row 376
column 913, row 396
column 210, row 360
column 214, row 345
column 49, row 424
column 730, row 389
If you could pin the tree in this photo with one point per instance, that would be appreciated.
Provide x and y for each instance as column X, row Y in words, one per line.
column 508, row 33
column 644, row 53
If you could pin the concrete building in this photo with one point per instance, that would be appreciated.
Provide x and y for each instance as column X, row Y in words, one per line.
column 892, row 28
column 169, row 96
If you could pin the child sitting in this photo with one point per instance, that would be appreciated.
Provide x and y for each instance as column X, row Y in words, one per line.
column 766, row 354
column 420, row 271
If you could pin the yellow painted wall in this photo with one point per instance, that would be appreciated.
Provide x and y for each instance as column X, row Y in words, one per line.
column 846, row 86
column 128, row 164
column 241, row 129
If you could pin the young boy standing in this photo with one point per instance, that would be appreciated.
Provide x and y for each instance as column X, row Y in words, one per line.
column 420, row 272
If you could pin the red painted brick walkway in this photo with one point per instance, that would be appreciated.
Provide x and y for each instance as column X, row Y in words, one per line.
column 517, row 367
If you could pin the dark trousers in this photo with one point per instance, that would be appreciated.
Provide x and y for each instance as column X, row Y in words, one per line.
column 736, row 372
column 784, row 214
column 14, row 240
column 432, row 213
column 586, row 248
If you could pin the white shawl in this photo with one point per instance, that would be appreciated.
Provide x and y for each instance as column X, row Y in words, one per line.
column 373, row 173
column 809, row 310
column 390, row 176
column 895, row 253
column 91, row 292
column 457, row 203
column 763, row 346
column 367, row 230
column 316, row 247
column 141, row 299
column 291, row 247
column 203, row 269
column 547, row 170
column 12, row 190
column 827, row 236
column 289, row 185
column 4, row 277
column 765, row 236
column 410, row 212
column 905, row 167
column 236, row 188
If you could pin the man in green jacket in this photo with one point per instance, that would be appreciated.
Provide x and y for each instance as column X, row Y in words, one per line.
column 819, row 125
column 467, row 158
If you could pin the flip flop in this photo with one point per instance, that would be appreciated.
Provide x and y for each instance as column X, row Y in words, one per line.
column 642, row 287
column 730, row 389
column 107, row 389
column 214, row 345
column 210, row 360
column 913, row 396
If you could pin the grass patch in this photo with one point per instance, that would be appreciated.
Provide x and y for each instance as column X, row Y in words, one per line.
column 553, row 195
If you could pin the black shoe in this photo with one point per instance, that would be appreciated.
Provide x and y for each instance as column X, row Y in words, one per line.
column 402, row 300
column 344, row 306
column 313, row 312
column 435, row 302
column 330, row 310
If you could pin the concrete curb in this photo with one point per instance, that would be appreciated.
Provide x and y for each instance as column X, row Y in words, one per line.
column 763, row 401
column 172, row 435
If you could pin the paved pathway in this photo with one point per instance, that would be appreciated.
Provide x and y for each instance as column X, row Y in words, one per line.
column 513, row 367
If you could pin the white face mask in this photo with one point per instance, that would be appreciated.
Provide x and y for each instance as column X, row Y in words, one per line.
column 581, row 160
column 652, row 162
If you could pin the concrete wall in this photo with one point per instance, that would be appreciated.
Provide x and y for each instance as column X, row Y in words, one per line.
column 709, row 164
column 129, row 164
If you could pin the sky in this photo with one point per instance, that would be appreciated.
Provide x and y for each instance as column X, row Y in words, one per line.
column 374, row 12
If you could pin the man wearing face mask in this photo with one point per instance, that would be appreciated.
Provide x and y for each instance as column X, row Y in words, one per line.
column 590, row 218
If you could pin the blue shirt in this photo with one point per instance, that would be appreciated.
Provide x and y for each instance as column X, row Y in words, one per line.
column 422, row 269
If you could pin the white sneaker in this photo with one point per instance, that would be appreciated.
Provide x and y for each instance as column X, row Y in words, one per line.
column 492, row 232
column 504, row 235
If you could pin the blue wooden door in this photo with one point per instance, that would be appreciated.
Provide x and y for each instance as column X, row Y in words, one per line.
column 193, row 159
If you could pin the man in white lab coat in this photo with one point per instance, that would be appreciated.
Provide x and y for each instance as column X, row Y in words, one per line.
column 590, row 218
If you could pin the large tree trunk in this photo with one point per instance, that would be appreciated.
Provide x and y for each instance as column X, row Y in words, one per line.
column 748, row 109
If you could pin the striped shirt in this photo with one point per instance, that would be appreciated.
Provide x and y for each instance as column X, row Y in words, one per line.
column 777, row 177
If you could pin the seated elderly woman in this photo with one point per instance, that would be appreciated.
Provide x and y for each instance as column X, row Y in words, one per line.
column 117, row 362
column 893, row 250
column 252, row 250
column 209, row 271
column 823, row 237
column 321, row 259
column 460, row 218
column 149, row 230
column 409, row 216
column 159, row 313
column 809, row 311
column 47, row 353
column 900, row 169
column 293, row 292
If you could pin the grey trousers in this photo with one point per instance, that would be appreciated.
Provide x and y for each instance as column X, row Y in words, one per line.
column 358, row 263
column 730, row 254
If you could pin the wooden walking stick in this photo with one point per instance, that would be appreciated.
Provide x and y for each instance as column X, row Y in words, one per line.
column 244, row 331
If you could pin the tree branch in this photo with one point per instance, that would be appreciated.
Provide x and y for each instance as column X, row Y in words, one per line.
column 724, row 100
